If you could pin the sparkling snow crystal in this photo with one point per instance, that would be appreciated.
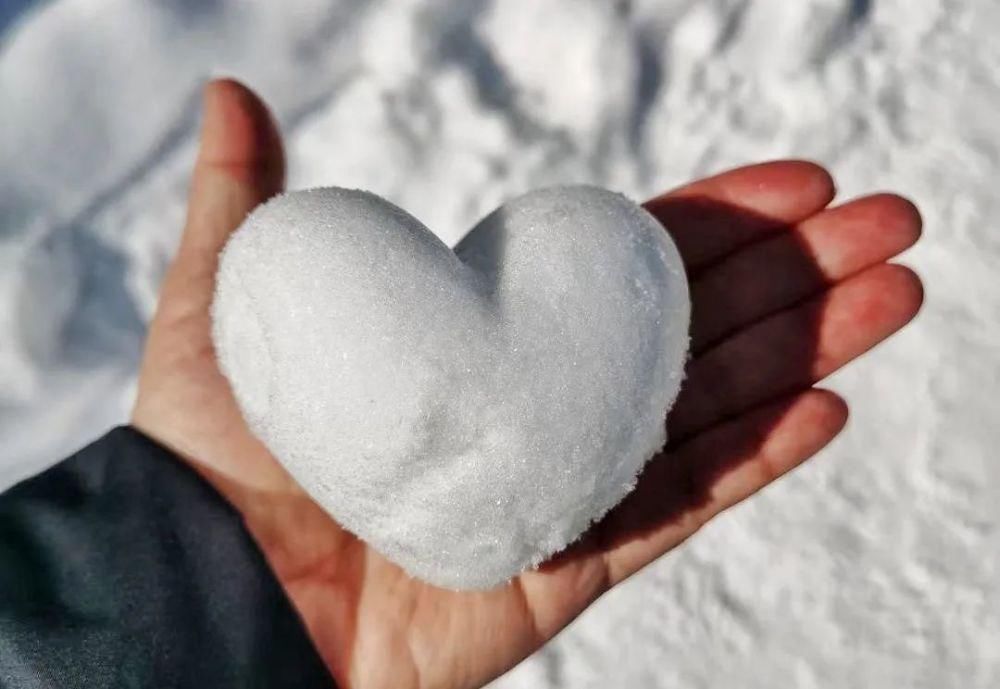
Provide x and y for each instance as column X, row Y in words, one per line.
column 466, row 413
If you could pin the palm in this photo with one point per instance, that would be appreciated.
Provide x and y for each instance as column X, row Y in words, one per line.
column 784, row 291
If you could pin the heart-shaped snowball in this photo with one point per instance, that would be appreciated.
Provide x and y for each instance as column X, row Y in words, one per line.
column 467, row 413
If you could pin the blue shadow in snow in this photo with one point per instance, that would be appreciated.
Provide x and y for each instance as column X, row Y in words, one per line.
column 11, row 11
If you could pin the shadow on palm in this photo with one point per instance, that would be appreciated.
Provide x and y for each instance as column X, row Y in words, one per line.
column 674, row 485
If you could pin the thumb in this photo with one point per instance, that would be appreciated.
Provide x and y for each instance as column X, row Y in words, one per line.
column 240, row 164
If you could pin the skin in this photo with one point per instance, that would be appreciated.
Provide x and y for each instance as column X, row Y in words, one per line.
column 785, row 291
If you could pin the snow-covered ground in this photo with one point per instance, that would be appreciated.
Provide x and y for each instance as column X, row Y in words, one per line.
column 876, row 565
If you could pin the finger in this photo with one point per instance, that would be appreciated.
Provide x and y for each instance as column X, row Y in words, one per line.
column 240, row 164
column 795, row 348
column 715, row 216
column 783, row 270
column 679, row 492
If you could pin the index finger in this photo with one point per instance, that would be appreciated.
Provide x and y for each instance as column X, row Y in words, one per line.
column 715, row 216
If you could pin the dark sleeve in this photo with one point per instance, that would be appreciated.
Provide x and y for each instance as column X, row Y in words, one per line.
column 121, row 567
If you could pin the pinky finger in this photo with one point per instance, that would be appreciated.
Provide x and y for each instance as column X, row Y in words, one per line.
column 679, row 492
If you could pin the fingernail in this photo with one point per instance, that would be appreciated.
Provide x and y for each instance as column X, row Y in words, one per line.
column 211, row 113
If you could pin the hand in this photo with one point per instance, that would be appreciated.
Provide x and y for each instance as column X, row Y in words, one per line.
column 784, row 292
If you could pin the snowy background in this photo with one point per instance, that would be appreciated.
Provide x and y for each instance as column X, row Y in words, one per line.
column 876, row 565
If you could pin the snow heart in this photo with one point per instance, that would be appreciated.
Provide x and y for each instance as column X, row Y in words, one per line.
column 467, row 413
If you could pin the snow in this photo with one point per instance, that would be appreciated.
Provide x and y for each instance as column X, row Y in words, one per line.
column 875, row 565
column 559, row 338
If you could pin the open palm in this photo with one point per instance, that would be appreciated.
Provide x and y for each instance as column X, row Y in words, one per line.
column 784, row 292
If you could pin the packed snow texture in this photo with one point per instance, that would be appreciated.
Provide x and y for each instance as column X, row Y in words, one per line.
column 466, row 413
column 876, row 564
